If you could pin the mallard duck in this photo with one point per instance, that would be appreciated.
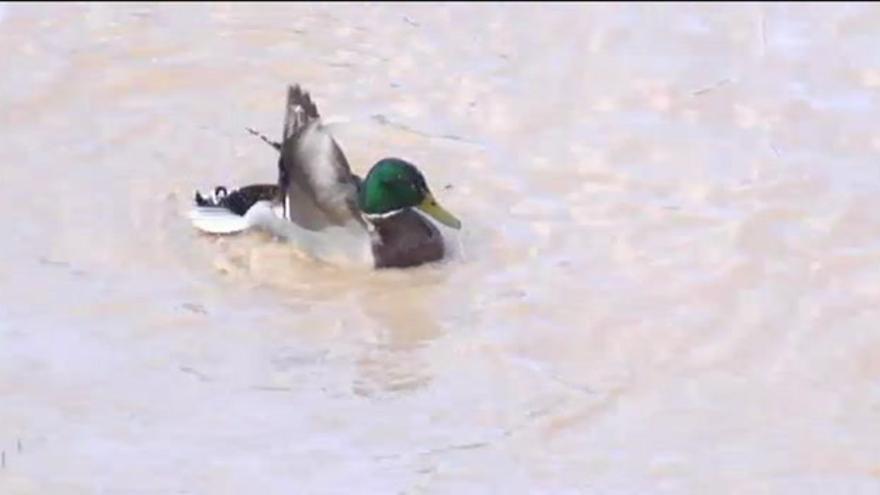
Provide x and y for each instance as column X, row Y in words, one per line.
column 328, row 212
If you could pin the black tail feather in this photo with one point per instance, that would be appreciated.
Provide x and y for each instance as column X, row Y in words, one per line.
column 274, row 144
column 239, row 201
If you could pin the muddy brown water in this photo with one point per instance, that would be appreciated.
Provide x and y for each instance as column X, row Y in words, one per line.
column 667, row 280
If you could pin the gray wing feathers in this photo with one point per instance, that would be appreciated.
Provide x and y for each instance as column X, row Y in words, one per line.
column 300, row 111
column 317, row 185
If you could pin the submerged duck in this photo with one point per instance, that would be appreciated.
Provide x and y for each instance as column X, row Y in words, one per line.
column 324, row 209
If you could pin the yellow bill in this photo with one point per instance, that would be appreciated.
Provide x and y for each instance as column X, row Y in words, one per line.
column 430, row 206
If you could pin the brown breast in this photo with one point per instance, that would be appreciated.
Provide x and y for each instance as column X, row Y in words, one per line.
column 408, row 239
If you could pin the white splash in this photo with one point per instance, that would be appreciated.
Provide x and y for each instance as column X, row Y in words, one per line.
column 348, row 245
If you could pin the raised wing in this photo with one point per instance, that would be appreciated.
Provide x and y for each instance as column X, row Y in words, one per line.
column 317, row 187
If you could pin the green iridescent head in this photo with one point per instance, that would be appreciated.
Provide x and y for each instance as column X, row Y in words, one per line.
column 394, row 184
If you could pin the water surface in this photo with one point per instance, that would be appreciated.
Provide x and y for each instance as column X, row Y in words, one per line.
column 667, row 280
